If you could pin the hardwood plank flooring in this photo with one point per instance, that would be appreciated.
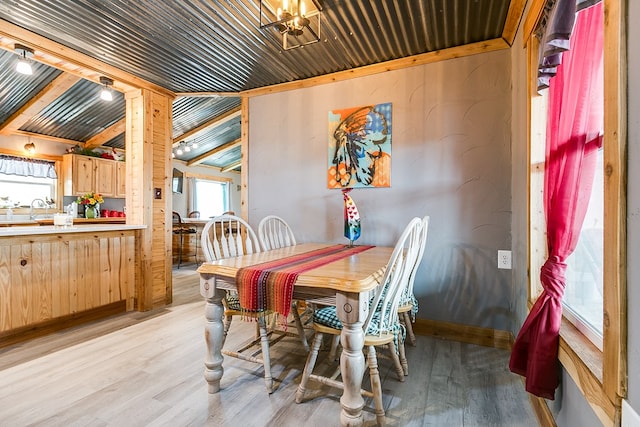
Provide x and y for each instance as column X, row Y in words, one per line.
column 146, row 369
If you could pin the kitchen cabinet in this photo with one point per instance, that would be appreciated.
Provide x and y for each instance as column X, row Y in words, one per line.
column 121, row 180
column 84, row 174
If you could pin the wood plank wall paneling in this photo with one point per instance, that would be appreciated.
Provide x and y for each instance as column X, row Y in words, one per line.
column 148, row 145
column 44, row 277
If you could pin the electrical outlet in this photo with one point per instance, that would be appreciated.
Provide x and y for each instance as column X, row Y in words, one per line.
column 504, row 260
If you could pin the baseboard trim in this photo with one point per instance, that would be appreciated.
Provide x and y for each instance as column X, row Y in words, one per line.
column 542, row 411
column 26, row 333
column 464, row 333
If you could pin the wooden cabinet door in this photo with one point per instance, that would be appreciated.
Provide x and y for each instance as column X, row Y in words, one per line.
column 121, row 179
column 83, row 174
column 105, row 177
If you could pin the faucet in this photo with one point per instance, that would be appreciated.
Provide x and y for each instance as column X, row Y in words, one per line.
column 40, row 205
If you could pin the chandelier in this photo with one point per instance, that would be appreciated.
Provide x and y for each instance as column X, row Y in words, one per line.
column 298, row 23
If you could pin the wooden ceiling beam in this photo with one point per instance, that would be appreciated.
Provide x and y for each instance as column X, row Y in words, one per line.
column 63, row 58
column 106, row 135
column 383, row 67
column 216, row 121
column 47, row 137
column 232, row 166
column 207, row 94
column 218, row 150
column 514, row 15
column 50, row 93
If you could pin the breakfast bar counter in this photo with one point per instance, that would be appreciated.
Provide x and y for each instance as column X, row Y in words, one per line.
column 51, row 277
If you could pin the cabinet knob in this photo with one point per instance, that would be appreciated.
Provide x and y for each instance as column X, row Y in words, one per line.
column 23, row 262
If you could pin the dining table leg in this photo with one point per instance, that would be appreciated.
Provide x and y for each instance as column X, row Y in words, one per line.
column 351, row 312
column 213, row 331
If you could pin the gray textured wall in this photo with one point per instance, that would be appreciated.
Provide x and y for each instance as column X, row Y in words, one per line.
column 451, row 160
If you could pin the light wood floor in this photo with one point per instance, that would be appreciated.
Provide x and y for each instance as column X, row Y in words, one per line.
column 146, row 369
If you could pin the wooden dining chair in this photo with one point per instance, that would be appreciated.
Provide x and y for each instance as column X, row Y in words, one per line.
column 180, row 229
column 408, row 302
column 274, row 232
column 382, row 326
column 230, row 236
column 408, row 306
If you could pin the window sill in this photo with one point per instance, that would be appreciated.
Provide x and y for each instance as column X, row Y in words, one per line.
column 583, row 361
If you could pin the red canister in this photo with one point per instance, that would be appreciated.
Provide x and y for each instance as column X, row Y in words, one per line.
column 104, row 213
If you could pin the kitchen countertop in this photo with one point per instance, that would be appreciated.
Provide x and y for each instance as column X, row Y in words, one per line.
column 49, row 221
column 50, row 229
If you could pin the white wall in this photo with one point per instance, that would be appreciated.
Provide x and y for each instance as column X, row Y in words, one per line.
column 451, row 159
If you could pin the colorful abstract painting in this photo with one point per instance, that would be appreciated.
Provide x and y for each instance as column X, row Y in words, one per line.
column 360, row 147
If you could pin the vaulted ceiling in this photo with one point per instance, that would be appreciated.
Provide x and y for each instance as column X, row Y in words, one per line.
column 208, row 53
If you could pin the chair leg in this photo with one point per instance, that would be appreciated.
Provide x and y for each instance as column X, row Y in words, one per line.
column 308, row 367
column 264, row 341
column 335, row 341
column 407, row 324
column 376, row 386
column 195, row 254
column 227, row 325
column 180, row 249
column 403, row 356
column 296, row 318
column 396, row 361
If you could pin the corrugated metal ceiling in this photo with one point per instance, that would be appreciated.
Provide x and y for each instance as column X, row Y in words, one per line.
column 217, row 46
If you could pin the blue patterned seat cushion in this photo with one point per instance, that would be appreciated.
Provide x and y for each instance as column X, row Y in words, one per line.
column 328, row 316
column 233, row 301
column 414, row 305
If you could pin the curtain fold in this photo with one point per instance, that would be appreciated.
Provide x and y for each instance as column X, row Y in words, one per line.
column 10, row 165
column 191, row 194
column 574, row 129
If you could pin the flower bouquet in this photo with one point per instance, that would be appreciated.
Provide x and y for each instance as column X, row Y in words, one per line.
column 90, row 201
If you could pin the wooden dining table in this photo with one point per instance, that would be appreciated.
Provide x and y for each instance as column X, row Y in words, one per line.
column 350, row 279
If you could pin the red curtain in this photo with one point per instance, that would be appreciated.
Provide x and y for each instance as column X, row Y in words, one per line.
column 574, row 129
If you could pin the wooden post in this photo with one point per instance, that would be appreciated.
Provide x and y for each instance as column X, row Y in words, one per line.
column 148, row 167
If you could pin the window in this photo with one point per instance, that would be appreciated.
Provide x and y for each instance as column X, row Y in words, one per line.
column 599, row 374
column 211, row 198
column 583, row 295
column 21, row 190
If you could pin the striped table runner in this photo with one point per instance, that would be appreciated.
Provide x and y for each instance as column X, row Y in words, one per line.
column 269, row 286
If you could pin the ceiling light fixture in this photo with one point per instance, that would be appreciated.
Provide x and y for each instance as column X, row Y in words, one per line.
column 105, row 93
column 30, row 148
column 298, row 24
column 24, row 64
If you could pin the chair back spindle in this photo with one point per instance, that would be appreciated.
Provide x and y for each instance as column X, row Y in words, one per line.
column 383, row 313
column 274, row 233
column 228, row 236
column 407, row 292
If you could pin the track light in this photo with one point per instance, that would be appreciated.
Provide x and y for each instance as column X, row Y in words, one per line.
column 105, row 93
column 24, row 64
